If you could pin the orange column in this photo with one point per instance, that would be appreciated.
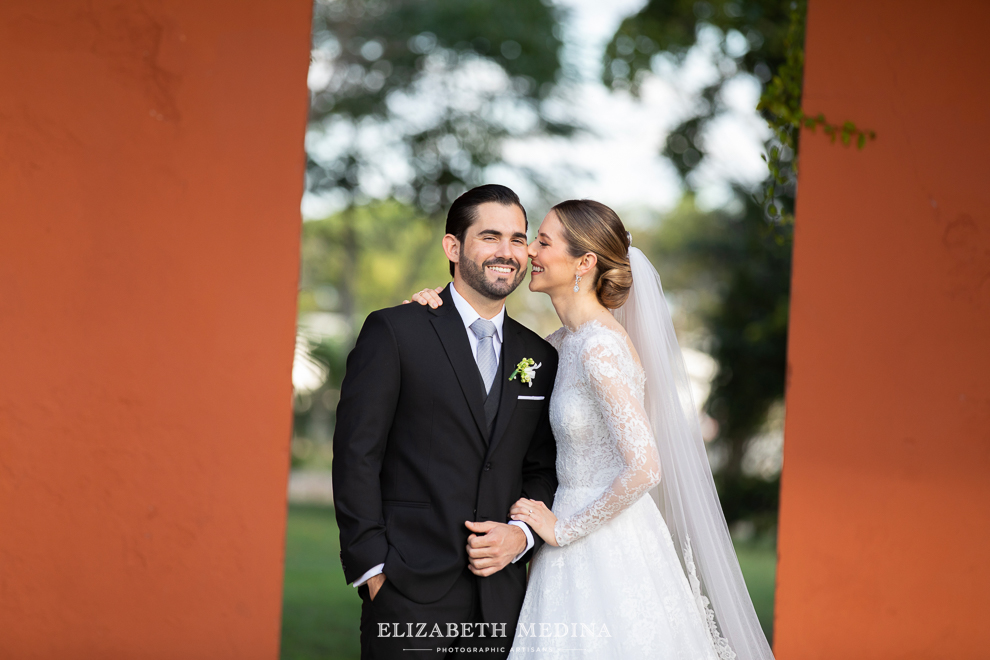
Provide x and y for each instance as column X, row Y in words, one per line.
column 151, row 167
column 885, row 503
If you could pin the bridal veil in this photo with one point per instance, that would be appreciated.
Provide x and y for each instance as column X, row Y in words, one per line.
column 686, row 494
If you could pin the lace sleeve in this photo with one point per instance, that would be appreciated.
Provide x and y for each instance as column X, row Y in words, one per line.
column 607, row 366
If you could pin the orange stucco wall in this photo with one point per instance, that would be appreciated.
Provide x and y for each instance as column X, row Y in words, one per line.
column 885, row 502
column 151, row 166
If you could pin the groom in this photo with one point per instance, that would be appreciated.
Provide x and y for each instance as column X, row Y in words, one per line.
column 436, row 437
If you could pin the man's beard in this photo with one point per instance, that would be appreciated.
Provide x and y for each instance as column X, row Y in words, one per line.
column 497, row 290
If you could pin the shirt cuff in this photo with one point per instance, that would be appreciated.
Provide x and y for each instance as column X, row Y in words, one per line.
column 372, row 572
column 529, row 538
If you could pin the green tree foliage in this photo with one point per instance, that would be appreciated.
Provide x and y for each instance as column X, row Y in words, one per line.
column 738, row 272
column 752, row 36
column 403, row 256
column 747, row 262
column 762, row 37
column 445, row 82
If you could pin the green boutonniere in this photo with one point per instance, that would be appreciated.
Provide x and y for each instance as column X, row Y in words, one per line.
column 526, row 370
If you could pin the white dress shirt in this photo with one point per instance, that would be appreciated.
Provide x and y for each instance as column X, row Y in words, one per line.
column 469, row 316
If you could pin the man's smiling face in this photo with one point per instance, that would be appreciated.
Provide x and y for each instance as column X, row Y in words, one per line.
column 493, row 255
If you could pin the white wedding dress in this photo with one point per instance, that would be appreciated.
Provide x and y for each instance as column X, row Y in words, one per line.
column 615, row 588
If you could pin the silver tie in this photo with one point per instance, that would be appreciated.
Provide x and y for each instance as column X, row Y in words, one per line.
column 484, row 329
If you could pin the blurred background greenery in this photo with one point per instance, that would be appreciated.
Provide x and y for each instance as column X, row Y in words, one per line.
column 648, row 107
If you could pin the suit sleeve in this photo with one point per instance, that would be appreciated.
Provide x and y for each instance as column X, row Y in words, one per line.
column 540, row 465
column 368, row 399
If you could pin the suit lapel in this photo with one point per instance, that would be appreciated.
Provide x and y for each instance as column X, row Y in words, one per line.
column 511, row 354
column 450, row 328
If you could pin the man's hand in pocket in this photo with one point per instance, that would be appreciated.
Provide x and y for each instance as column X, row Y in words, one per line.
column 375, row 583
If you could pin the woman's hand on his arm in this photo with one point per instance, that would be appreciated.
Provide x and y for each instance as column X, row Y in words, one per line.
column 429, row 297
column 539, row 518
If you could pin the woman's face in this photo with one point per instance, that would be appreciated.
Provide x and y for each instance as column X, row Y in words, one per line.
column 553, row 267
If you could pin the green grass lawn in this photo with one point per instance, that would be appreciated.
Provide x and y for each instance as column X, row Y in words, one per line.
column 320, row 613
column 758, row 560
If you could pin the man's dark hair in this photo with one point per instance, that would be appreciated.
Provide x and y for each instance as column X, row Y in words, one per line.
column 462, row 213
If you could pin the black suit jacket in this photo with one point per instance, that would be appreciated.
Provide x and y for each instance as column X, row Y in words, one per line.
column 413, row 458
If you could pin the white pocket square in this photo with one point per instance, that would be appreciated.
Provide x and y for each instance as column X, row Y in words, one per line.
column 531, row 398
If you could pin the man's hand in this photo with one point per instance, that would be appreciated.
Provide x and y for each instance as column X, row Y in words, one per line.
column 375, row 583
column 493, row 546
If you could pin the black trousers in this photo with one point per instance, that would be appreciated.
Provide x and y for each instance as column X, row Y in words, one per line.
column 394, row 627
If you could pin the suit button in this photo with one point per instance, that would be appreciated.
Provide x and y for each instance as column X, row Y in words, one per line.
column 475, row 512
column 488, row 466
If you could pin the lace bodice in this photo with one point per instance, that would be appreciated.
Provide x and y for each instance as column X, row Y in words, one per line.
column 606, row 453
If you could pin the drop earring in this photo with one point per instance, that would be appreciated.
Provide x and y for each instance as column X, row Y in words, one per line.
column 577, row 278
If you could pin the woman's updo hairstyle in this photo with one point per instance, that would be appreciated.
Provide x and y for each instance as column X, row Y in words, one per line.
column 590, row 226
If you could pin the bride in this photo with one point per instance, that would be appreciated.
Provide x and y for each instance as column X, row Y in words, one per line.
column 638, row 562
